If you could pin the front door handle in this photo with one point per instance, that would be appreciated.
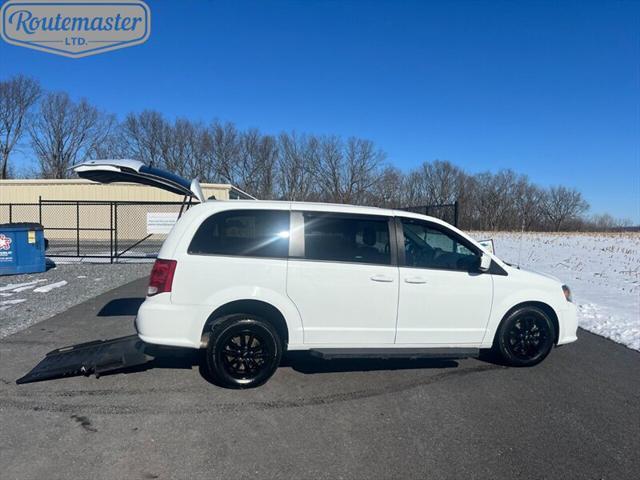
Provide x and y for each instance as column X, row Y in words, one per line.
column 382, row 278
column 415, row 280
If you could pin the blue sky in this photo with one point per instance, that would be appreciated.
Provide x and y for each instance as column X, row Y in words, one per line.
column 549, row 89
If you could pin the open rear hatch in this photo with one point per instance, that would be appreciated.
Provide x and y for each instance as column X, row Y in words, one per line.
column 103, row 356
column 134, row 171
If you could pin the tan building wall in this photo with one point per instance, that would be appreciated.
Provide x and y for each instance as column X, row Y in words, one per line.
column 132, row 220
column 28, row 191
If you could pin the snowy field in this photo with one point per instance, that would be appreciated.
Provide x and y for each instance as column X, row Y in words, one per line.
column 603, row 271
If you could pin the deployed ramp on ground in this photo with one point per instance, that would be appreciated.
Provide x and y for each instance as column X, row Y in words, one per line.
column 95, row 357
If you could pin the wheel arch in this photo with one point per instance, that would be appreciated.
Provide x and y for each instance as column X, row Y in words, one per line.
column 259, row 308
column 545, row 307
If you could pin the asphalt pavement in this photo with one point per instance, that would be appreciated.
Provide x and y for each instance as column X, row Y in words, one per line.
column 576, row 415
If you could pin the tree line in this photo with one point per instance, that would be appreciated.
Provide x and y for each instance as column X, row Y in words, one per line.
column 61, row 131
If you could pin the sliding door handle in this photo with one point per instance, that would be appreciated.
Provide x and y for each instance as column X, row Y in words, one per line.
column 382, row 278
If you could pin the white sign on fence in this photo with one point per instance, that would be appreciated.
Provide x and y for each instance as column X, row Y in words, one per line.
column 161, row 222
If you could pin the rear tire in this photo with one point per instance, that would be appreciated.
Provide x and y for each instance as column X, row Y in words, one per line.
column 525, row 337
column 243, row 351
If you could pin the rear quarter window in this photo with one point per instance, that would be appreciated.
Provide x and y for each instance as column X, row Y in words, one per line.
column 247, row 233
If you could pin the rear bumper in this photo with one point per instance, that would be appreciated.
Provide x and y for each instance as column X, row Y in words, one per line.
column 161, row 323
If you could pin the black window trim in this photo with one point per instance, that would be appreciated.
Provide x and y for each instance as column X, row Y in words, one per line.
column 494, row 269
column 229, row 255
column 296, row 237
column 297, row 253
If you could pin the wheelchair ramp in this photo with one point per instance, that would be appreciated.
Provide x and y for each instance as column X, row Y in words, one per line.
column 96, row 357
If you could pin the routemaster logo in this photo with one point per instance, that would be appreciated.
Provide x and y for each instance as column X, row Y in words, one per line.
column 75, row 28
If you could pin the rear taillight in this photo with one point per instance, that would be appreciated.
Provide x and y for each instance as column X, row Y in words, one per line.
column 161, row 277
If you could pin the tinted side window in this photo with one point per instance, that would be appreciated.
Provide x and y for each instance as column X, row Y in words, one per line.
column 252, row 233
column 346, row 238
column 427, row 246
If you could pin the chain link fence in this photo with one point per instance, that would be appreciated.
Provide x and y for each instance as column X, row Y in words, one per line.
column 106, row 230
column 447, row 212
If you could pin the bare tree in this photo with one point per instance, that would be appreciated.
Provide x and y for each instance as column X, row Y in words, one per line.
column 605, row 222
column 144, row 136
column 65, row 131
column 443, row 182
column 414, row 189
column 245, row 159
column 529, row 200
column 178, row 145
column 563, row 204
column 111, row 146
column 297, row 165
column 348, row 171
column 362, row 169
column 388, row 191
column 198, row 165
column 257, row 159
column 17, row 96
column 440, row 183
column 493, row 200
column 330, row 169
column 223, row 153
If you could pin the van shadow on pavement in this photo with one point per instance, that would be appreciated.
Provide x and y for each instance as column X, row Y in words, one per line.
column 302, row 362
column 121, row 307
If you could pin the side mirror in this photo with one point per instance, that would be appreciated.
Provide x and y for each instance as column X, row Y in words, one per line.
column 485, row 262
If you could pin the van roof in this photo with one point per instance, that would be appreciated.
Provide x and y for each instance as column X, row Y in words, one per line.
column 321, row 206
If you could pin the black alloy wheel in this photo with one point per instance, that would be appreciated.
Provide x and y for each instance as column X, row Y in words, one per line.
column 244, row 354
column 244, row 351
column 525, row 337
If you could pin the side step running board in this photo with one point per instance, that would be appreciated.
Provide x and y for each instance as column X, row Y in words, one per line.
column 450, row 353
column 93, row 357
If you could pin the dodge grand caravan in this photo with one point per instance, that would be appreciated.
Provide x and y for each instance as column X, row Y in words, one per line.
column 249, row 280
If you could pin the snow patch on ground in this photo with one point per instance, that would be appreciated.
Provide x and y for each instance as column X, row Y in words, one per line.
column 51, row 286
column 603, row 271
column 6, row 304
column 13, row 302
column 18, row 287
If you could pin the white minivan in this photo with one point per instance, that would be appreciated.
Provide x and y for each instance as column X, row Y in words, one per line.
column 248, row 280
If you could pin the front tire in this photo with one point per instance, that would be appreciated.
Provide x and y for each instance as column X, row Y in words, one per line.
column 525, row 337
column 244, row 351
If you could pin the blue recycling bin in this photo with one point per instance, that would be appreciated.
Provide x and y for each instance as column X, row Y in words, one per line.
column 22, row 248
